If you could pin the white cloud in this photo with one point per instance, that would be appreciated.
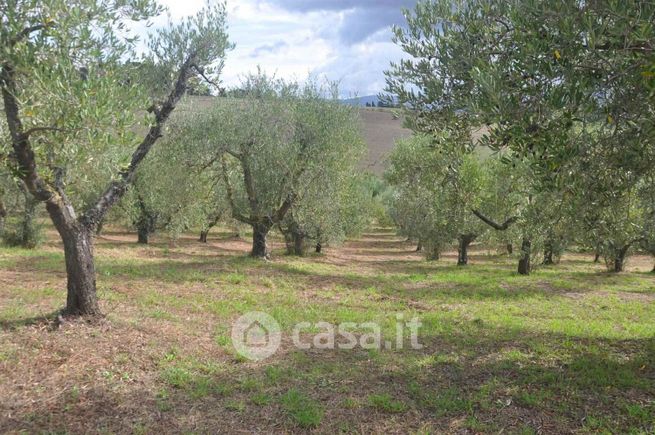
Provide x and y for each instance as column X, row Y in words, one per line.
column 326, row 39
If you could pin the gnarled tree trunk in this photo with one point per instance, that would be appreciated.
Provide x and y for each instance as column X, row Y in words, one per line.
column 465, row 241
column 298, row 243
column 146, row 223
column 210, row 224
column 295, row 239
column 80, row 267
column 524, row 261
column 145, row 227
column 143, row 235
column 77, row 234
column 619, row 259
column 259, row 243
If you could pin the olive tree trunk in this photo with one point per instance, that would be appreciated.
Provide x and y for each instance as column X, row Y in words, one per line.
column 145, row 227
column 524, row 261
column 3, row 216
column 295, row 239
column 77, row 234
column 143, row 234
column 80, row 267
column 211, row 223
column 619, row 259
column 259, row 240
column 298, row 243
column 465, row 241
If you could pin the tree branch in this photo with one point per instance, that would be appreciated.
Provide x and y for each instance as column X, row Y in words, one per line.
column 20, row 143
column 201, row 73
column 230, row 196
column 284, row 208
column 33, row 130
column 28, row 31
column 500, row 227
column 117, row 189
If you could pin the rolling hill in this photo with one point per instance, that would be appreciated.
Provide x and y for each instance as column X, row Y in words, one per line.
column 381, row 129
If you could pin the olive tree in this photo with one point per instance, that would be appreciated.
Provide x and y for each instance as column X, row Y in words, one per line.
column 328, row 214
column 274, row 144
column 329, row 204
column 68, row 104
column 418, row 172
column 437, row 188
column 167, row 195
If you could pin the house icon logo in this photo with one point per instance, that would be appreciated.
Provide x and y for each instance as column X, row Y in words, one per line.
column 256, row 335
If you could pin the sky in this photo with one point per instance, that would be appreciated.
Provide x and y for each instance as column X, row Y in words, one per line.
column 344, row 40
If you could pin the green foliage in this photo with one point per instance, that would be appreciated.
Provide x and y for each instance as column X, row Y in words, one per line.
column 75, row 99
column 330, row 201
column 85, row 118
column 170, row 191
column 281, row 151
column 435, row 191
column 562, row 89
column 20, row 215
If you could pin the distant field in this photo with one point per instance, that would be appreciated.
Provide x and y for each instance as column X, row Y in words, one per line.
column 381, row 130
column 568, row 349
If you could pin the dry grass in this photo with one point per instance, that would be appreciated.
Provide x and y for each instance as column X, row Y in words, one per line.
column 568, row 349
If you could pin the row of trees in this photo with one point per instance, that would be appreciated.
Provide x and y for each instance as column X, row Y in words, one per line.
column 437, row 200
column 277, row 156
column 560, row 92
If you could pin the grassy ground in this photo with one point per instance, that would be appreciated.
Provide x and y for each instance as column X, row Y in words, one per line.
column 567, row 349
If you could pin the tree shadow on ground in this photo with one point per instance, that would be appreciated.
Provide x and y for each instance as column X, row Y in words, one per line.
column 47, row 321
